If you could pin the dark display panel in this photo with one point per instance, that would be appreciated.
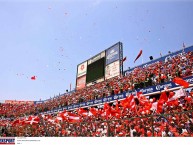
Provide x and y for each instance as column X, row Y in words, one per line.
column 95, row 70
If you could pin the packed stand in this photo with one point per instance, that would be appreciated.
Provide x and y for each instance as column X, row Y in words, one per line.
column 170, row 115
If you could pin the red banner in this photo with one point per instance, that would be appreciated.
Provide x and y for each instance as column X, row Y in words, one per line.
column 81, row 82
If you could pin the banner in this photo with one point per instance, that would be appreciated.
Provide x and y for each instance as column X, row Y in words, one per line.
column 81, row 82
column 82, row 69
column 39, row 102
column 112, row 70
column 112, row 54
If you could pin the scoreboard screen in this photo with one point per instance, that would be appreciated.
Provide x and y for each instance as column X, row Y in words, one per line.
column 102, row 66
column 95, row 70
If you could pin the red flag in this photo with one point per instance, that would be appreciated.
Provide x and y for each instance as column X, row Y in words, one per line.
column 132, row 101
column 117, row 105
column 181, row 82
column 73, row 118
column 22, row 121
column 32, row 120
column 15, row 122
column 188, row 99
column 107, row 109
column 163, row 97
column 82, row 112
column 129, row 102
column 124, row 59
column 160, row 106
column 142, row 99
column 58, row 119
column 146, row 108
column 173, row 99
column 116, row 112
column 172, row 103
column 106, row 106
column 138, row 55
column 162, row 100
column 177, row 95
column 64, row 115
column 33, row 78
column 124, row 102
column 93, row 111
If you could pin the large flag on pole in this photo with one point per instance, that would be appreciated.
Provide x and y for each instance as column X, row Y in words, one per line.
column 138, row 55
column 124, row 59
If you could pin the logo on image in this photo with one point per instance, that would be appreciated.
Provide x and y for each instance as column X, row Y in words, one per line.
column 7, row 140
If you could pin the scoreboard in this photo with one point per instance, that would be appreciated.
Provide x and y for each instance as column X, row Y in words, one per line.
column 95, row 70
column 100, row 67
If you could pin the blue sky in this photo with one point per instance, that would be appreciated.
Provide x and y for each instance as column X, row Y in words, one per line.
column 49, row 38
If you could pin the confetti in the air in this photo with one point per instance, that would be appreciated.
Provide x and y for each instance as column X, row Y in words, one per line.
column 61, row 49
column 33, row 78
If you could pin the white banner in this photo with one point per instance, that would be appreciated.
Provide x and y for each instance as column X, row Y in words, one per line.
column 112, row 70
column 82, row 69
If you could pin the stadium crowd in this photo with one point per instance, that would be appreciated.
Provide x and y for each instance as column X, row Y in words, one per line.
column 117, row 119
column 121, row 118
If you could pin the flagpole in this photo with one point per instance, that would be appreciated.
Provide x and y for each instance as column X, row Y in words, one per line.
column 160, row 54
column 183, row 46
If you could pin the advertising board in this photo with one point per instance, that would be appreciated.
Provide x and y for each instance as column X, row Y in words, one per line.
column 81, row 82
column 82, row 69
column 112, row 54
column 112, row 70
